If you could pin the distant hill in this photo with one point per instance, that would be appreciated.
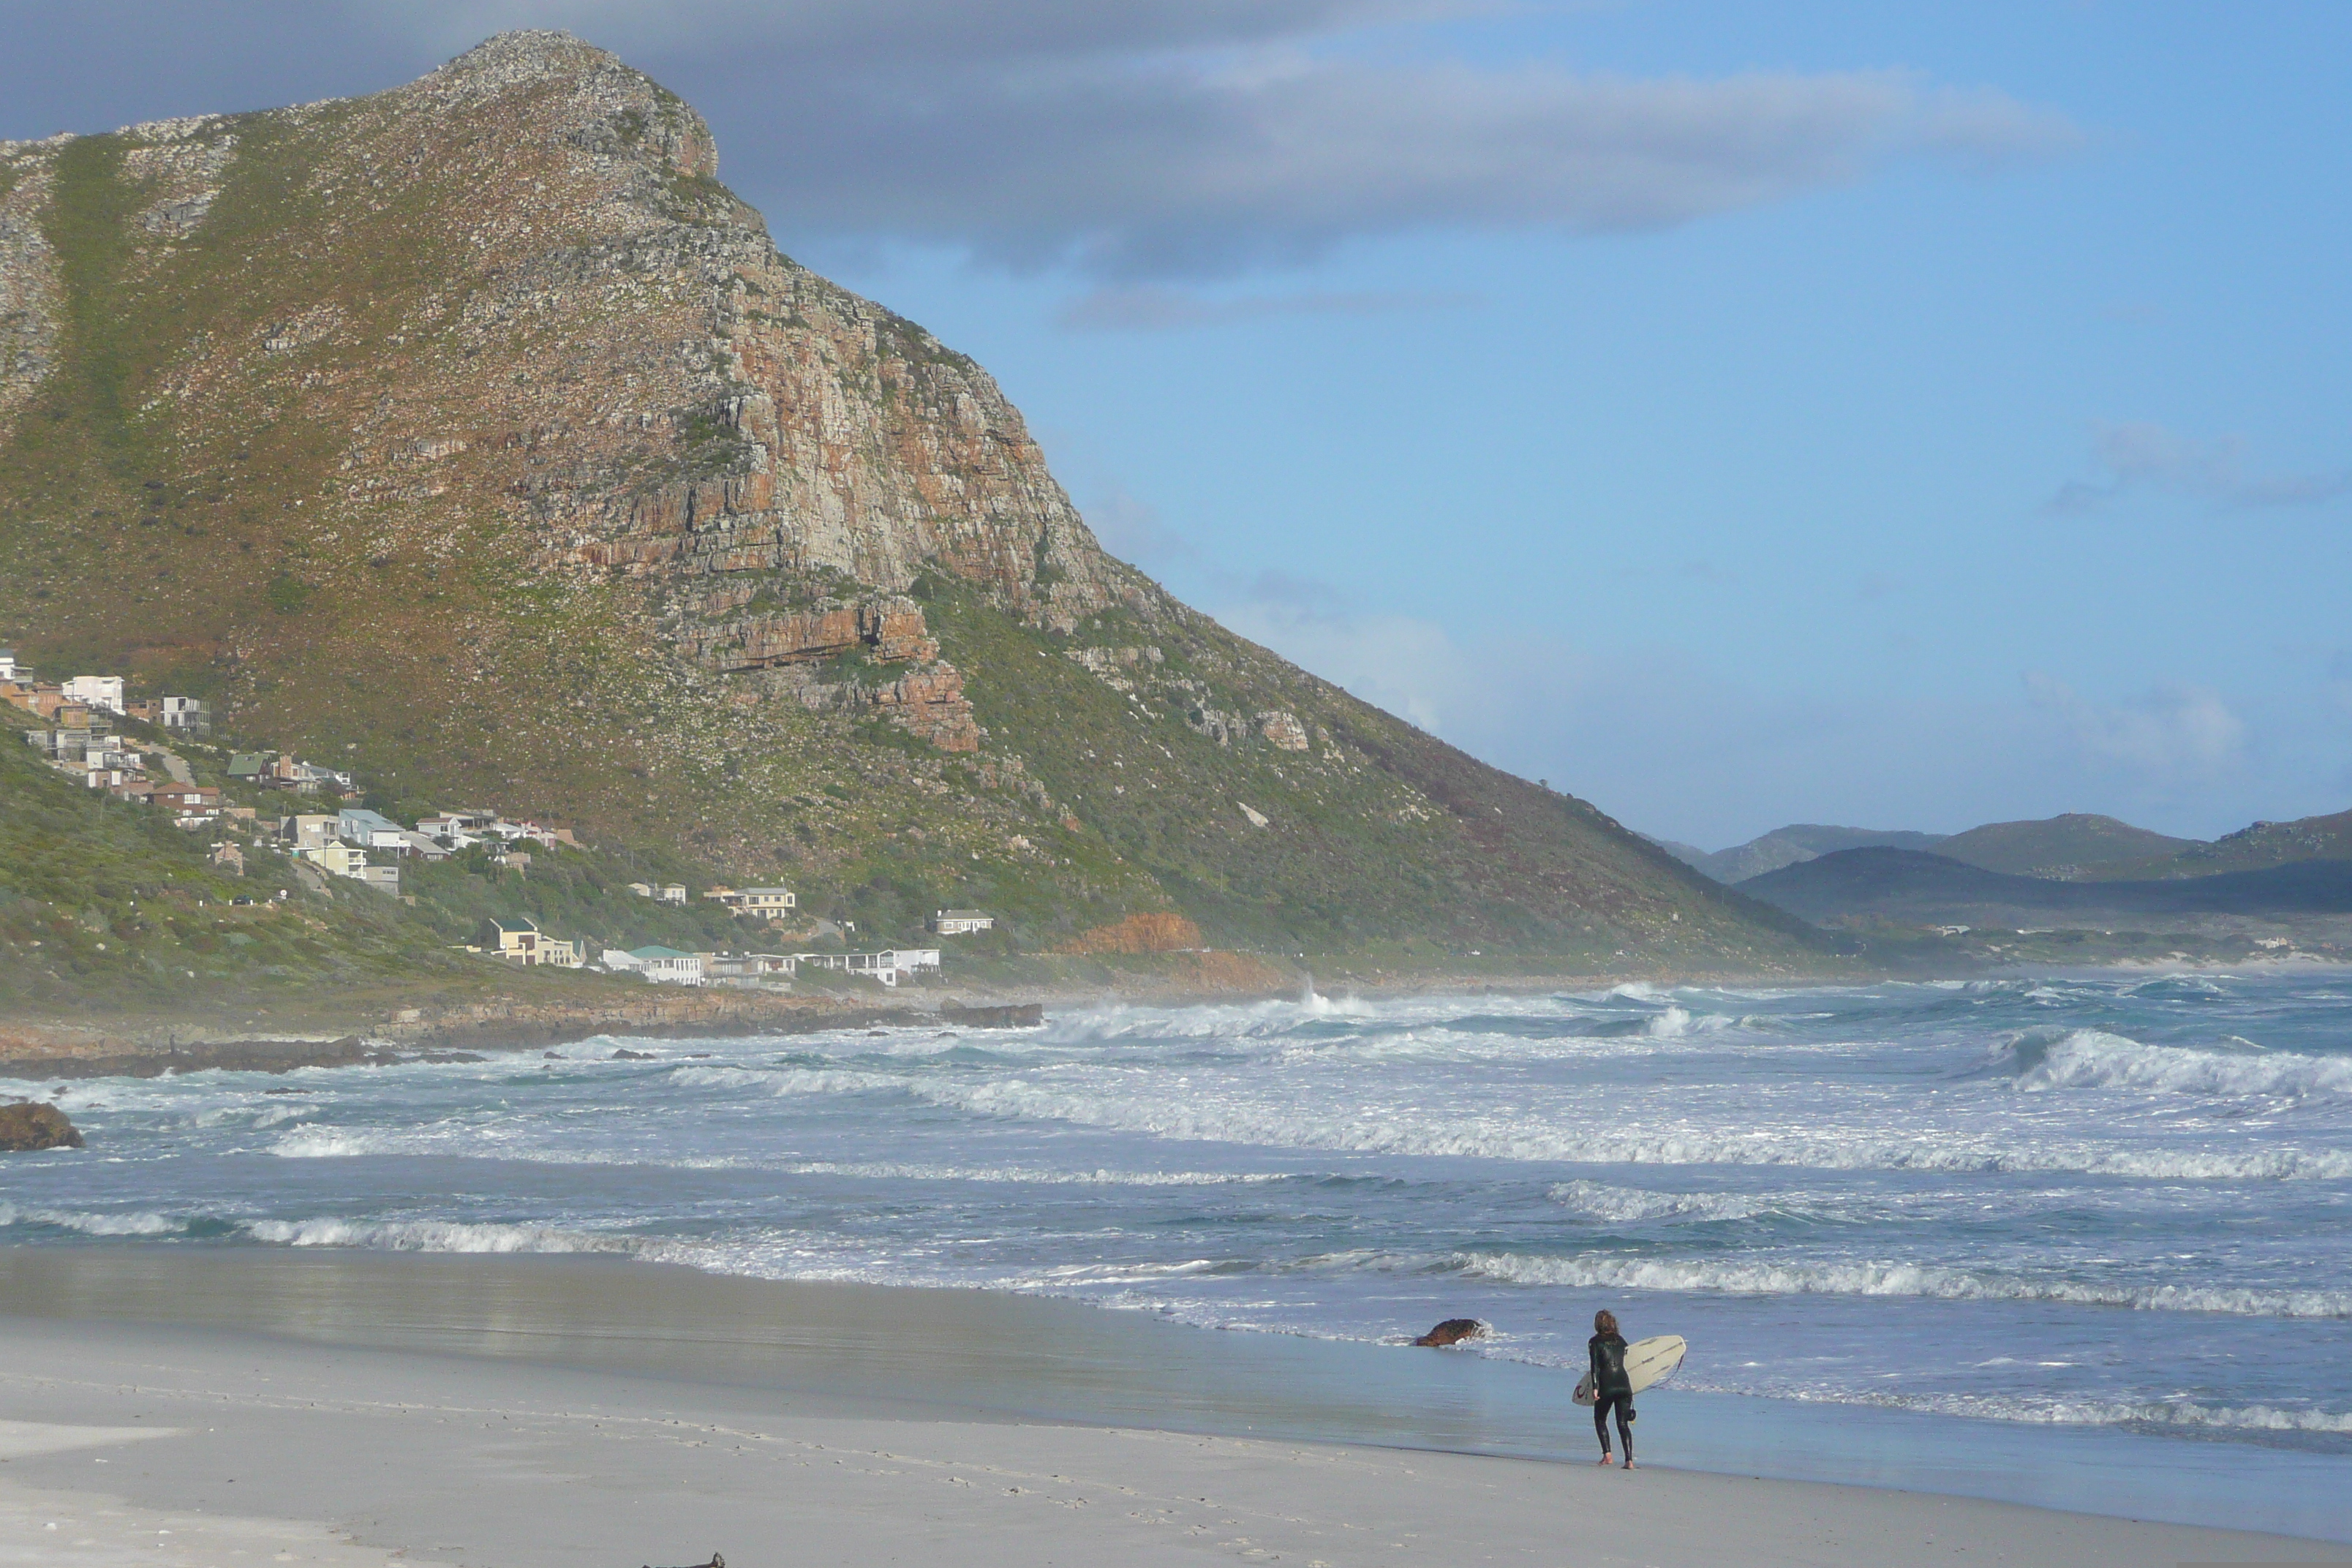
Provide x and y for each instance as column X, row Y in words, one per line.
column 1689, row 854
column 2264, row 843
column 1911, row 887
column 2063, row 847
column 1793, row 844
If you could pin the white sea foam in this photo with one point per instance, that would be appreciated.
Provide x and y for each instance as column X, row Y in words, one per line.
column 436, row 1236
column 1495, row 1135
column 138, row 1222
column 2094, row 1059
column 1634, row 1206
column 311, row 1141
column 1763, row 1277
column 884, row 1170
column 2041, row 1409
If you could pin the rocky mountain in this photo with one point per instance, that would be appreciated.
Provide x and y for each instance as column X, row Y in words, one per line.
column 474, row 435
column 2076, row 845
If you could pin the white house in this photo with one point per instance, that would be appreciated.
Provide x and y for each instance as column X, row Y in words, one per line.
column 888, row 967
column 959, row 922
column 663, row 965
column 97, row 690
column 186, row 713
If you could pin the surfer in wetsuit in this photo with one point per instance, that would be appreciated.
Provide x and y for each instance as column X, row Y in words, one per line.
column 1611, row 1388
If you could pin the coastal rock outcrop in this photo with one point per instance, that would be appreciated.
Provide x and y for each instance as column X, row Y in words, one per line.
column 26, row 1125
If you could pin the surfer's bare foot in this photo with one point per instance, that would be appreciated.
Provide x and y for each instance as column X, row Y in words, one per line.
column 1604, row 1461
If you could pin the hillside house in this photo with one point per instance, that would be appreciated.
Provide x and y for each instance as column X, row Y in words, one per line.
column 228, row 858
column 190, row 805
column 962, row 922
column 661, row 965
column 10, row 669
column 642, row 889
column 336, row 857
column 759, row 903
column 368, row 830
column 186, row 713
column 672, row 893
column 888, row 967
column 748, row 971
column 518, row 939
column 417, row 844
column 99, row 690
column 386, row 879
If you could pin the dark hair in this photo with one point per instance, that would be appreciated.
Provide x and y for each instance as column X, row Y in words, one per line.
column 1604, row 1322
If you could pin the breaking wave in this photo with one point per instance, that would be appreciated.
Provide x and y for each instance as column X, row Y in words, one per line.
column 2094, row 1059
column 1760, row 1278
column 441, row 1235
column 135, row 1223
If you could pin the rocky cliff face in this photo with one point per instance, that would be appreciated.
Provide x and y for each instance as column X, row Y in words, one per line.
column 474, row 433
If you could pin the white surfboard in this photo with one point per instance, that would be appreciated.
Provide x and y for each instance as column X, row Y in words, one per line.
column 1646, row 1361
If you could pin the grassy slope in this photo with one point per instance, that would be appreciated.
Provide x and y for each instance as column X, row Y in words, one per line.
column 2072, row 844
column 2254, row 848
column 106, row 909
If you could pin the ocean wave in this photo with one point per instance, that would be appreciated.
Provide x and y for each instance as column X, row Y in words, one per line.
column 1636, row 1205
column 790, row 1080
column 311, row 1141
column 1731, row 1277
column 440, row 1236
column 885, row 1170
column 138, row 1222
column 2058, row 1410
column 2094, row 1059
column 1495, row 1136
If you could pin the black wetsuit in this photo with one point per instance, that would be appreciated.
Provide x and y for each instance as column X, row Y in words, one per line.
column 1611, row 1389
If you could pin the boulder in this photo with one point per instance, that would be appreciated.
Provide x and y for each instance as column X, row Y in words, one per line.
column 26, row 1124
column 1453, row 1331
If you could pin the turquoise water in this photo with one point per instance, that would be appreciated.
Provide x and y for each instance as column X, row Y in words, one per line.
column 2069, row 1204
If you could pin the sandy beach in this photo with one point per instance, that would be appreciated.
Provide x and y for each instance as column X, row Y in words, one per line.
column 197, row 1442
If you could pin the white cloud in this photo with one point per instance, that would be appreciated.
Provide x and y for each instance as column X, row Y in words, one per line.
column 2173, row 729
column 1165, row 138
column 2142, row 457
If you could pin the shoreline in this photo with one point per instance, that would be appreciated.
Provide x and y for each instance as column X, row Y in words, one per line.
column 950, row 1361
column 33, row 1048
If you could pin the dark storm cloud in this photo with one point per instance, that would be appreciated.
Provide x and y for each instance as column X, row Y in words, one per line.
column 1133, row 139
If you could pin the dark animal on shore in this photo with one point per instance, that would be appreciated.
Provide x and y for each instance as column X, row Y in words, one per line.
column 26, row 1125
column 1453, row 1331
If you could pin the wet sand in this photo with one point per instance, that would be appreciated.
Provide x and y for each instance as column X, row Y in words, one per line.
column 343, row 1407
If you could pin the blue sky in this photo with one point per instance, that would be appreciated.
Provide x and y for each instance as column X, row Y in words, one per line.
column 1895, row 415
